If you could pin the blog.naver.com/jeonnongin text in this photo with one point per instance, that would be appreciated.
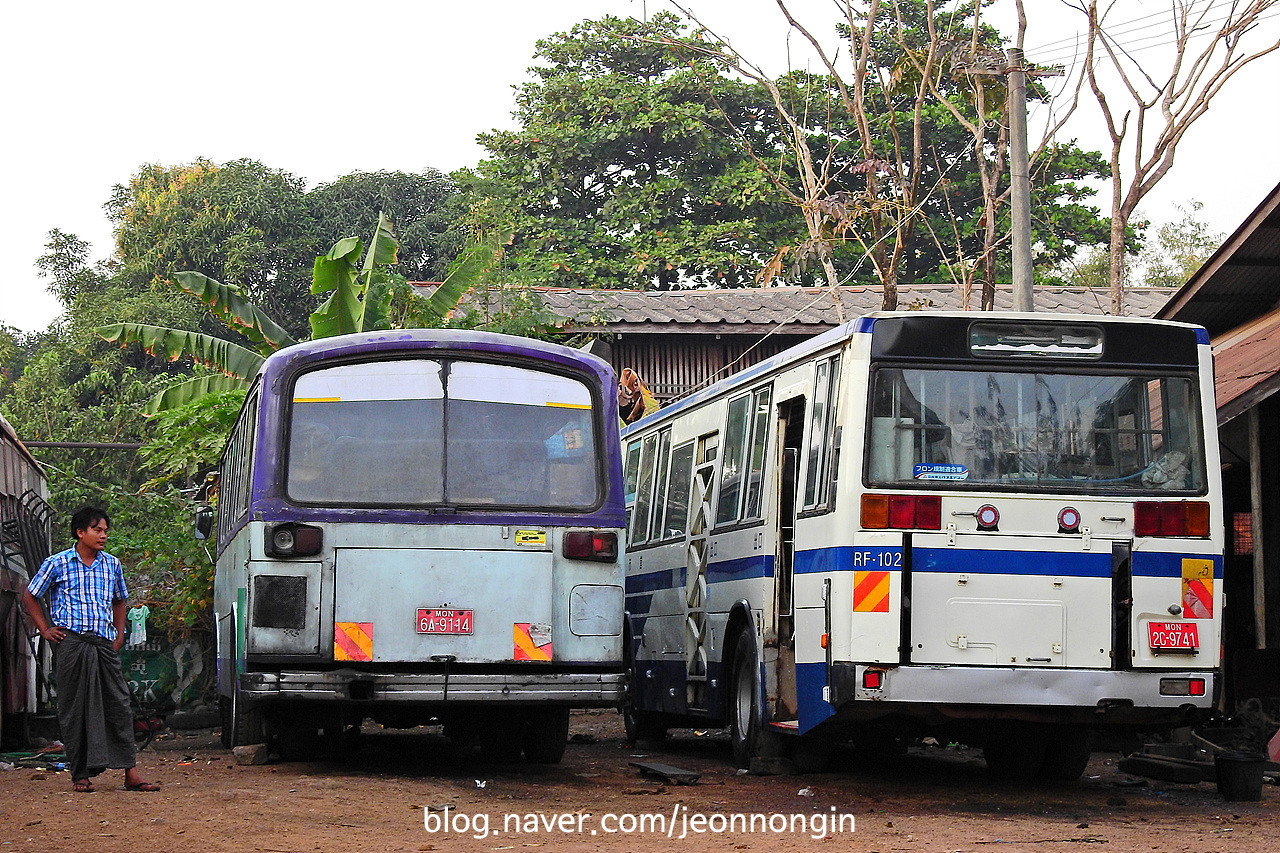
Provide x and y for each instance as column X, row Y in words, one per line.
column 675, row 824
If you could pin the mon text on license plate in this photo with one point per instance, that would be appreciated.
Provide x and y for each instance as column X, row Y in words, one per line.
column 1173, row 636
column 433, row 621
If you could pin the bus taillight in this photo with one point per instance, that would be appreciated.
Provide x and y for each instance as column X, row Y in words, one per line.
column 1171, row 518
column 901, row 512
column 294, row 540
column 598, row 545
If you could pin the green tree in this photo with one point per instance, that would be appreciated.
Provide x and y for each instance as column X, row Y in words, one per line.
column 424, row 206
column 241, row 223
column 625, row 171
column 1180, row 248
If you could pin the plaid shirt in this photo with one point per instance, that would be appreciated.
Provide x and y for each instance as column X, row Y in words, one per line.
column 80, row 596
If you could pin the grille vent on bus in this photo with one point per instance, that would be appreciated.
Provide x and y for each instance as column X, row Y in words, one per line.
column 279, row 601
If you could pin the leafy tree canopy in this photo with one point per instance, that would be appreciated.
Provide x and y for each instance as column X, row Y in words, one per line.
column 424, row 207
column 242, row 223
column 624, row 172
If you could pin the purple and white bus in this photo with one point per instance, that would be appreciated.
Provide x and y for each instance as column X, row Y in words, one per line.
column 421, row 527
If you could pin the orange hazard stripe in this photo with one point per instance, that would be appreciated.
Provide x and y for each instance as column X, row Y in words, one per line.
column 353, row 641
column 524, row 647
column 871, row 592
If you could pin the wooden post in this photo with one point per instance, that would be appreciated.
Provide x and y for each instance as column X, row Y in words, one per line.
column 1255, row 500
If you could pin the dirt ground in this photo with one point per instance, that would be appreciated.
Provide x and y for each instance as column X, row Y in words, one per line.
column 382, row 795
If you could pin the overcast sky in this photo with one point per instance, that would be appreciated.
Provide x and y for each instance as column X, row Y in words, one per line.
column 319, row 88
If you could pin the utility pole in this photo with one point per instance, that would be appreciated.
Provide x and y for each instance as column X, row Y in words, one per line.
column 1019, row 183
column 1015, row 74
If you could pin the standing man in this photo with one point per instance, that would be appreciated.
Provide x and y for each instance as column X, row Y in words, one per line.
column 87, row 604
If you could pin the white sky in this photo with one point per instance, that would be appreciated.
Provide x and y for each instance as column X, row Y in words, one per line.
column 320, row 88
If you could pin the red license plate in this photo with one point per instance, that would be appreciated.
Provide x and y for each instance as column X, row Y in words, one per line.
column 433, row 621
column 1173, row 636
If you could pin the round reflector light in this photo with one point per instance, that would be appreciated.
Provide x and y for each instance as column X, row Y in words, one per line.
column 988, row 517
column 1069, row 519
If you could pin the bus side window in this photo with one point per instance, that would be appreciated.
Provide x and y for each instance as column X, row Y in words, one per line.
column 676, row 517
column 819, row 467
column 742, row 465
column 660, row 484
column 632, row 477
column 644, row 492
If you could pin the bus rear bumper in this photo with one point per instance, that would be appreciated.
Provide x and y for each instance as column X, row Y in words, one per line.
column 1104, row 697
column 580, row 690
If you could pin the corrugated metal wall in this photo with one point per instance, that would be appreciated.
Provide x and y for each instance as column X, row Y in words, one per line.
column 674, row 365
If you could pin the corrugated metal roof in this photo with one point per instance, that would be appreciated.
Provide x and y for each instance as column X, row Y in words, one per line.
column 1240, row 281
column 805, row 310
column 1246, row 366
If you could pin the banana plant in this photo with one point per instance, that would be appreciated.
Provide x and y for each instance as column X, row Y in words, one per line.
column 344, row 312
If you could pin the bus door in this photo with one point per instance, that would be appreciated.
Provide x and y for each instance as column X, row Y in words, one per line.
column 789, row 432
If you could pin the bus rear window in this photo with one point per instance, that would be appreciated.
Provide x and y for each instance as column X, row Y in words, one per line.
column 1053, row 431
column 442, row 432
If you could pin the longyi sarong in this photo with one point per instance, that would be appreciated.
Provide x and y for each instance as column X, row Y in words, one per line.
column 94, row 712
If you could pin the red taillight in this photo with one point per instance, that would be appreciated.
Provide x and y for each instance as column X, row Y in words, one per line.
column 988, row 517
column 1171, row 518
column 598, row 545
column 902, row 512
column 872, row 679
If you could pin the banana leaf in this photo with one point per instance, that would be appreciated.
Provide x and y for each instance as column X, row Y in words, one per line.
column 193, row 389
column 467, row 270
column 173, row 344
column 335, row 273
column 234, row 310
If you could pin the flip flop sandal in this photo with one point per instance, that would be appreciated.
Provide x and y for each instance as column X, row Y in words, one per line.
column 83, row 786
column 143, row 786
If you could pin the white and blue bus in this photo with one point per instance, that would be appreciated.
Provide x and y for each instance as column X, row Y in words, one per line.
column 421, row 527
column 999, row 528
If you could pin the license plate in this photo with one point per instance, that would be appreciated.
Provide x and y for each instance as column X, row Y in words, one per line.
column 433, row 621
column 1173, row 636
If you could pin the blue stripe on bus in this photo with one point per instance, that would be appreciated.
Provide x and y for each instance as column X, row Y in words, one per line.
column 1202, row 335
column 1091, row 565
column 1153, row 564
column 649, row 581
column 758, row 566
column 846, row 558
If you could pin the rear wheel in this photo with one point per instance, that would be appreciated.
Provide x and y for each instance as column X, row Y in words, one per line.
column 547, row 735
column 1015, row 753
column 1066, row 754
column 241, row 725
column 744, row 700
column 502, row 737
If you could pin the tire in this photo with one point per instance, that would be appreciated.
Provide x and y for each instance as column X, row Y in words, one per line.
column 547, row 735
column 240, row 725
column 1067, row 752
column 1015, row 754
column 292, row 743
column 745, row 722
column 502, row 738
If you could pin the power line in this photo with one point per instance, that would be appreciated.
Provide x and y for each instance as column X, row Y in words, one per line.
column 1127, row 48
column 1118, row 28
column 1127, row 45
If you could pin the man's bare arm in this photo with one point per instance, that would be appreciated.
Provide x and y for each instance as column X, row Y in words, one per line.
column 35, row 609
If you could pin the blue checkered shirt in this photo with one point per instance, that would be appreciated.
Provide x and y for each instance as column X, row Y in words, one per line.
column 80, row 596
